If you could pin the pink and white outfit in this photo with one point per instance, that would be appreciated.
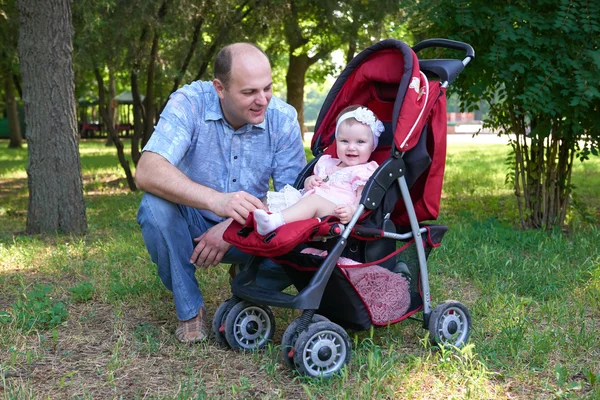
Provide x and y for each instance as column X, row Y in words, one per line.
column 340, row 184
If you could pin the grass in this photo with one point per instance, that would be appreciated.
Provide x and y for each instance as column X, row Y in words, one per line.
column 86, row 317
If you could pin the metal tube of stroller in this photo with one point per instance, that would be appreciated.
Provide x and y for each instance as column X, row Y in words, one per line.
column 414, row 226
column 310, row 297
column 401, row 236
column 355, row 217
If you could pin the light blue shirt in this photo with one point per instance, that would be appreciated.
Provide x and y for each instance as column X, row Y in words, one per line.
column 193, row 135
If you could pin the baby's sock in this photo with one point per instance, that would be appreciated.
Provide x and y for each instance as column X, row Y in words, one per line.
column 267, row 223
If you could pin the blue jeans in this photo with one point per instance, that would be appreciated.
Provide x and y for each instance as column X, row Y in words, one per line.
column 168, row 230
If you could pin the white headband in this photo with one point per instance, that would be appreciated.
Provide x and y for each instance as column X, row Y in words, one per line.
column 366, row 117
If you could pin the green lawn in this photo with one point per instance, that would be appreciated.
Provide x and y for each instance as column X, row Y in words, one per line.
column 86, row 317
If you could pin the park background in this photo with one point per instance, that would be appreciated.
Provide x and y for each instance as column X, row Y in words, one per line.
column 82, row 312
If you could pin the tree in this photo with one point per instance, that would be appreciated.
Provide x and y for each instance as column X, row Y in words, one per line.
column 8, row 69
column 313, row 29
column 14, row 124
column 56, row 200
column 158, row 45
column 537, row 66
column 369, row 21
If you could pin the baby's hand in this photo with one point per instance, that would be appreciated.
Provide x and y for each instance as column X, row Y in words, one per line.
column 312, row 181
column 344, row 213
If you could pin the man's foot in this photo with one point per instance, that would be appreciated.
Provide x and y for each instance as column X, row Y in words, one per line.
column 193, row 330
column 267, row 223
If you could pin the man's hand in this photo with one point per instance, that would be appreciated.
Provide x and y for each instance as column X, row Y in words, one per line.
column 237, row 205
column 312, row 181
column 344, row 213
column 211, row 247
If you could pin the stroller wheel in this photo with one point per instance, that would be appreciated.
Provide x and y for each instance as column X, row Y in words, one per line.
column 249, row 326
column 322, row 350
column 450, row 324
column 289, row 337
column 218, row 322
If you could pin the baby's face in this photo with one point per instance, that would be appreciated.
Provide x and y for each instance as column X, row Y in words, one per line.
column 354, row 143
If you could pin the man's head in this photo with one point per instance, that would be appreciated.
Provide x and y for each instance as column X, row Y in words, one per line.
column 243, row 83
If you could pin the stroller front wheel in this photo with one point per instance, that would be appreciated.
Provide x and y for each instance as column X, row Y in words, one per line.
column 450, row 324
column 322, row 350
column 218, row 322
column 249, row 326
column 288, row 340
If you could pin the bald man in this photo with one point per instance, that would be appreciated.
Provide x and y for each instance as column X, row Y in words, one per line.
column 209, row 161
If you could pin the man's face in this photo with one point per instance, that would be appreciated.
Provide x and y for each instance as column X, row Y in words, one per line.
column 246, row 98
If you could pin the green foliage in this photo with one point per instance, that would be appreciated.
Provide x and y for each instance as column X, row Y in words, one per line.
column 536, row 65
column 8, row 39
column 36, row 310
column 82, row 293
column 147, row 336
column 313, row 100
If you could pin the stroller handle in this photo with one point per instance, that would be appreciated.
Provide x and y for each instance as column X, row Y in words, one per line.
column 448, row 44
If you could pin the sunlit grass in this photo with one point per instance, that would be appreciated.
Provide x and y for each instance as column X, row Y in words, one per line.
column 534, row 298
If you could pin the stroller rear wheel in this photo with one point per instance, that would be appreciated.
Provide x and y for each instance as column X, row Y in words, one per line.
column 450, row 324
column 218, row 322
column 249, row 326
column 322, row 350
column 288, row 340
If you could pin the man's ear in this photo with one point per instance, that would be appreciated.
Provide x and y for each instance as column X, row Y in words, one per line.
column 219, row 87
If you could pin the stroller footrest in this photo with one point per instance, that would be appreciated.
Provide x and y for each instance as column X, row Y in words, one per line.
column 244, row 287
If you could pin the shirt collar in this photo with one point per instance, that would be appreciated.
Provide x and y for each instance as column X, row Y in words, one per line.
column 215, row 113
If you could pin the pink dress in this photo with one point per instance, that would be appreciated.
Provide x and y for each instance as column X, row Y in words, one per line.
column 340, row 184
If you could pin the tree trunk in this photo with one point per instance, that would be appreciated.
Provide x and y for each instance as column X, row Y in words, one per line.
column 543, row 168
column 138, row 118
column 56, row 201
column 17, row 84
column 138, row 111
column 207, row 57
column 112, row 107
column 351, row 52
column 149, row 106
column 112, row 132
column 14, row 125
column 188, row 58
column 295, row 85
column 149, row 100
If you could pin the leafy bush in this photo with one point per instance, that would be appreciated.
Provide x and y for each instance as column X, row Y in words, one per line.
column 36, row 310
column 82, row 292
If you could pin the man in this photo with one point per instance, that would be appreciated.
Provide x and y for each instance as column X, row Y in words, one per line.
column 207, row 163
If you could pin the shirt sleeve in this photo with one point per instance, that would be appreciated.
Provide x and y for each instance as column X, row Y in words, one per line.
column 173, row 133
column 289, row 155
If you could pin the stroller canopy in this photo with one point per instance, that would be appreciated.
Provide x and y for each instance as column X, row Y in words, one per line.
column 386, row 78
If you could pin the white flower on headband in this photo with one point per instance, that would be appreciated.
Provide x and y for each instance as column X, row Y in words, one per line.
column 367, row 117
column 364, row 116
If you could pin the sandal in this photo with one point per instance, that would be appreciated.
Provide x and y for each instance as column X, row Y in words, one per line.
column 193, row 330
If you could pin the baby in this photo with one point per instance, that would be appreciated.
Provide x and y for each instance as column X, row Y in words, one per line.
column 336, row 187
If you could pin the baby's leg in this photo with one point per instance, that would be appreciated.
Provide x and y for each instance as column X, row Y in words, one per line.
column 307, row 207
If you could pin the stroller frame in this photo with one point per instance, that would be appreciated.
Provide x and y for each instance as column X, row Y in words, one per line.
column 391, row 172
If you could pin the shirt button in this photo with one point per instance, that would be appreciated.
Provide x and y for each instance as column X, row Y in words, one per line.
column 235, row 157
column 235, row 180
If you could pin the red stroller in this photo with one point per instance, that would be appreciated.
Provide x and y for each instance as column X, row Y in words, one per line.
column 358, row 275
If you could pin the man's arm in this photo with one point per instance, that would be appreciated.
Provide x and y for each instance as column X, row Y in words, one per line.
column 156, row 175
